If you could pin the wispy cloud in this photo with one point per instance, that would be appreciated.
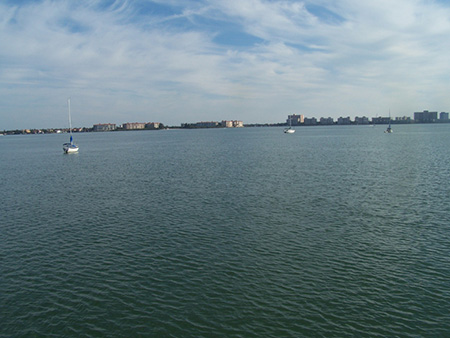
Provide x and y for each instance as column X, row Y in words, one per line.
column 255, row 60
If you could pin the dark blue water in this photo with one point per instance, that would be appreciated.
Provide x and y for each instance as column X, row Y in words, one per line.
column 328, row 232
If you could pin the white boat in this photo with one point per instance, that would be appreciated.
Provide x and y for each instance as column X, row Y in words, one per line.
column 289, row 130
column 389, row 129
column 70, row 147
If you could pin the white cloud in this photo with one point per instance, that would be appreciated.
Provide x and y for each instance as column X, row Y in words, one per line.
column 122, row 66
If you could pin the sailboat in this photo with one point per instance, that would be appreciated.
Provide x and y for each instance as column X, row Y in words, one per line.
column 70, row 147
column 389, row 129
column 289, row 130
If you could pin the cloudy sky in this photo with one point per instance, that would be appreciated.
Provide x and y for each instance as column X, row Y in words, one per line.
column 176, row 61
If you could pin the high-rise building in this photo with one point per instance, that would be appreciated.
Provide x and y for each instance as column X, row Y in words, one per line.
column 344, row 120
column 361, row 120
column 310, row 121
column 425, row 116
column 381, row 120
column 295, row 120
column 326, row 121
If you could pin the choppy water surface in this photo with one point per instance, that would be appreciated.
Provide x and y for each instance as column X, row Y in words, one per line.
column 331, row 231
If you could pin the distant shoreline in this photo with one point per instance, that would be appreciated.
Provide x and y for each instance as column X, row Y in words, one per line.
column 250, row 125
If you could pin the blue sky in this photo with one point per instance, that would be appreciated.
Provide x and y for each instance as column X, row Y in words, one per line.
column 174, row 61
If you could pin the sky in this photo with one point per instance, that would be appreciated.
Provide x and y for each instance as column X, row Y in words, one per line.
column 174, row 61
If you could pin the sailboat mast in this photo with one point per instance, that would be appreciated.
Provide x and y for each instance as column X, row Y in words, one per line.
column 70, row 119
column 70, row 122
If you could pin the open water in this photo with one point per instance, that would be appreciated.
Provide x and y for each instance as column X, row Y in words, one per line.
column 328, row 232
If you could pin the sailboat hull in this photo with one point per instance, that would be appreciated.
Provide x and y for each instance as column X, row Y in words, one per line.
column 70, row 148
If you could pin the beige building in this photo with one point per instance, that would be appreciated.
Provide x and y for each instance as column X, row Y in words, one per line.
column 152, row 125
column 134, row 125
column 232, row 124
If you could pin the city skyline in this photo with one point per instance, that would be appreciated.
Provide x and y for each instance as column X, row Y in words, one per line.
column 293, row 119
column 252, row 60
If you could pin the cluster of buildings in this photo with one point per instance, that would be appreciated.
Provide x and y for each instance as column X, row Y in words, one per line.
column 297, row 120
column 294, row 120
column 419, row 117
column 430, row 116
column 126, row 126
column 214, row 124
column 158, row 125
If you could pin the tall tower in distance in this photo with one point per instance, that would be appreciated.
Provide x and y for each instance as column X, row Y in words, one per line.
column 295, row 120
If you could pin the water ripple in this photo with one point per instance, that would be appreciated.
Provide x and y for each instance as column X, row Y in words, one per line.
column 331, row 243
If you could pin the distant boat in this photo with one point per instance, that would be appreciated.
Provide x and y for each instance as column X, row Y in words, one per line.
column 389, row 129
column 289, row 130
column 70, row 147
